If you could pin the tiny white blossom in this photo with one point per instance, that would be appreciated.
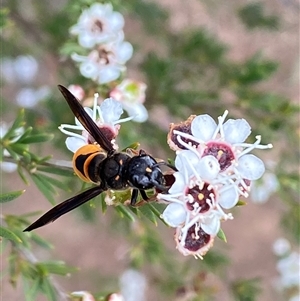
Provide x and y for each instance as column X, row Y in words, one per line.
column 85, row 296
column 133, row 285
column 105, row 63
column 289, row 268
column 30, row 97
column 192, row 199
column 281, row 246
column 193, row 241
column 23, row 68
column 262, row 189
column 77, row 91
column 106, row 116
column 132, row 95
column 115, row 297
column 26, row 68
column 98, row 24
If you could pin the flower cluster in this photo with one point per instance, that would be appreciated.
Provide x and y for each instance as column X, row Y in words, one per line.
column 214, row 168
column 100, row 34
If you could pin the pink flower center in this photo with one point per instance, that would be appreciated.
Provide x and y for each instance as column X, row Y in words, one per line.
column 222, row 152
column 202, row 198
column 97, row 26
column 196, row 239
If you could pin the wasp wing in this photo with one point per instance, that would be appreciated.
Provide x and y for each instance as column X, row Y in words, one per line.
column 65, row 207
column 86, row 120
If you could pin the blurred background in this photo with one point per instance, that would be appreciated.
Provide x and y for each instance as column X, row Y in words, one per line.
column 196, row 57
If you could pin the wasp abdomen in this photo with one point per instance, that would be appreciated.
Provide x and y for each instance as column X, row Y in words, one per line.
column 87, row 161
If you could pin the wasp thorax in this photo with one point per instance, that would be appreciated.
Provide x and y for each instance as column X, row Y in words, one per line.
column 144, row 172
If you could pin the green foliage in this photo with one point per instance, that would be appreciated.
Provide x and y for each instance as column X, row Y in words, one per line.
column 188, row 71
column 7, row 197
column 246, row 289
column 254, row 16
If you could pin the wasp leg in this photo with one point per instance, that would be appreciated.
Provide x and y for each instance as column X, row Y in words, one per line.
column 144, row 195
column 134, row 196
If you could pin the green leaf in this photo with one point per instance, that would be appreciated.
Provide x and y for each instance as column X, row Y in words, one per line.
column 17, row 124
column 22, row 175
column 9, row 196
column 133, row 146
column 241, row 203
column 54, row 182
column 56, row 170
column 56, row 267
column 20, row 149
column 44, row 187
column 222, row 235
column 146, row 210
column 49, row 290
column 103, row 205
column 37, row 138
column 4, row 13
column 40, row 241
column 124, row 212
column 31, row 288
column 10, row 235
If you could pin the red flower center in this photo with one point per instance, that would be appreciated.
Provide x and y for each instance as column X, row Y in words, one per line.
column 201, row 198
column 222, row 152
column 196, row 239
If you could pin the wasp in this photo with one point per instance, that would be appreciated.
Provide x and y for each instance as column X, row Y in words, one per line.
column 102, row 165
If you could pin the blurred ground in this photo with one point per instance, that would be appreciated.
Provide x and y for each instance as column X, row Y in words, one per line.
column 255, row 227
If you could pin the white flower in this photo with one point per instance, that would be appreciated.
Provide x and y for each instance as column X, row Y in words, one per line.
column 115, row 297
column 132, row 95
column 281, row 246
column 224, row 141
column 98, row 24
column 262, row 190
column 26, row 68
column 106, row 116
column 289, row 268
column 196, row 195
column 30, row 97
column 133, row 285
column 214, row 168
column 107, row 62
column 77, row 91
column 23, row 68
column 193, row 241
column 83, row 295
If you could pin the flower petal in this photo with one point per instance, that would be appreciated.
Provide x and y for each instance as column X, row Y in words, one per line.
column 228, row 198
column 74, row 143
column 174, row 215
column 111, row 110
column 203, row 127
column 208, row 167
column 236, row 131
column 250, row 167
column 137, row 111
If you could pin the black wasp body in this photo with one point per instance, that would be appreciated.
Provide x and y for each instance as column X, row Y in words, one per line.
column 101, row 164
